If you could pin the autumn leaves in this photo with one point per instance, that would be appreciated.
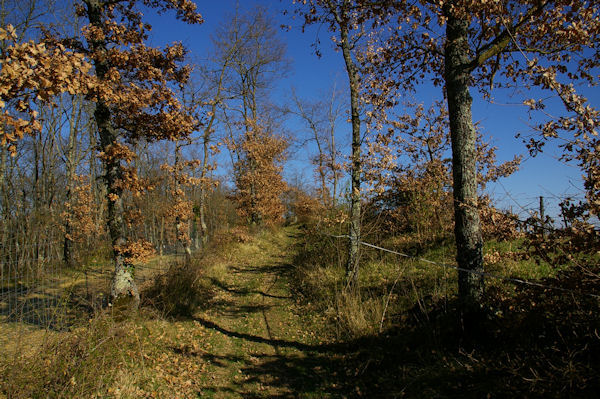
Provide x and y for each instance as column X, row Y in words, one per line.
column 34, row 72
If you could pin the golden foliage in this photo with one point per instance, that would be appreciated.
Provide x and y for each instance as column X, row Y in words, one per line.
column 501, row 226
column 259, row 185
column 82, row 213
column 239, row 234
column 306, row 208
column 136, row 251
column 35, row 72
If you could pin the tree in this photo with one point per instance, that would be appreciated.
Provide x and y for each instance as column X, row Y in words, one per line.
column 340, row 17
column 38, row 80
column 461, row 44
column 131, row 93
column 259, row 184
column 19, row 18
column 411, row 171
column 321, row 119
column 34, row 73
column 181, row 208
column 256, row 57
column 73, row 155
column 132, row 100
column 216, row 75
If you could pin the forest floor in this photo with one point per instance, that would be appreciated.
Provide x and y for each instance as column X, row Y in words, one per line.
column 251, row 334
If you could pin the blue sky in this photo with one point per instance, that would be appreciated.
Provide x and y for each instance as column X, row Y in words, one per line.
column 312, row 76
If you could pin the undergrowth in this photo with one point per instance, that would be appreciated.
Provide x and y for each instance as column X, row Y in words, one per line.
column 80, row 363
column 179, row 291
column 104, row 356
column 409, row 339
column 400, row 334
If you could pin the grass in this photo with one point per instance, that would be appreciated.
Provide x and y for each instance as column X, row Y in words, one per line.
column 264, row 315
column 225, row 325
column 407, row 337
column 93, row 355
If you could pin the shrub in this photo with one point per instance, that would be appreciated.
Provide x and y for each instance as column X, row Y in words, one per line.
column 178, row 292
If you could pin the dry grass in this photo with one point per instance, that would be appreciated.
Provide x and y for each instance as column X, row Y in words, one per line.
column 405, row 319
column 398, row 335
column 179, row 291
column 101, row 356
column 388, row 286
column 81, row 363
column 356, row 315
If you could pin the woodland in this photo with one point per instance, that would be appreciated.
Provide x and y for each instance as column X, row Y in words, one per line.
column 155, row 241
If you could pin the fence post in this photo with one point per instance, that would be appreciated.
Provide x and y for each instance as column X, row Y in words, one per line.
column 542, row 217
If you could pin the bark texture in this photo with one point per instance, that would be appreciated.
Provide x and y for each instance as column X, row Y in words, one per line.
column 180, row 225
column 352, row 267
column 124, row 291
column 462, row 132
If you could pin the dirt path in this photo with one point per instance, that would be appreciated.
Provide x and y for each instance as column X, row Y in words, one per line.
column 255, row 342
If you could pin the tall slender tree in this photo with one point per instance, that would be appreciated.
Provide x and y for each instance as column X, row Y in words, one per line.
column 321, row 119
column 257, row 56
column 341, row 18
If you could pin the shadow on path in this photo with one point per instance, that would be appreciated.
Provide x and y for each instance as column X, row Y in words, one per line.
column 272, row 342
column 243, row 291
column 278, row 269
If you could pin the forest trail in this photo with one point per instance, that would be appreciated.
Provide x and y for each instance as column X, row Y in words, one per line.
column 253, row 340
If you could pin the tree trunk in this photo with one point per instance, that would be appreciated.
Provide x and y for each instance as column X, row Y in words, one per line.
column 162, row 235
column 354, row 233
column 202, row 216
column 95, row 187
column 203, row 183
column 185, row 243
column 68, row 257
column 322, row 175
column 462, row 133
column 4, row 197
column 255, row 216
column 180, row 225
column 124, row 291
column 71, row 164
column 334, row 172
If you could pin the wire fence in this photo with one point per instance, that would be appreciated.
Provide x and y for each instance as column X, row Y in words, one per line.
column 44, row 292
column 545, row 206
column 470, row 271
column 29, row 293
column 38, row 289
